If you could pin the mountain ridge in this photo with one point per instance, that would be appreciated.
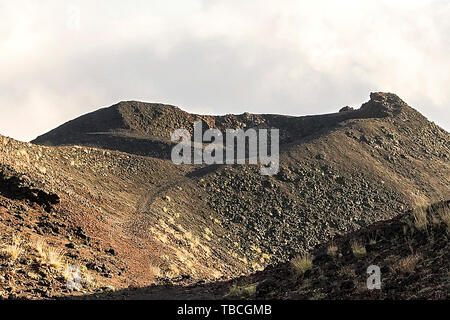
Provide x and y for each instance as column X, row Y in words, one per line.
column 154, row 123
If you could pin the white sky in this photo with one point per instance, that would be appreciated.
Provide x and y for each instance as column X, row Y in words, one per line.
column 60, row 59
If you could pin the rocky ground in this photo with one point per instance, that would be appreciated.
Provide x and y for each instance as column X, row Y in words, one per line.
column 101, row 191
column 411, row 250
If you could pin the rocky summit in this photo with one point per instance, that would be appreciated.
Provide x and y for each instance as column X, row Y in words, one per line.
column 96, row 208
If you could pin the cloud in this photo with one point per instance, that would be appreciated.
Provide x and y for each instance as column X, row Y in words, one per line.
column 64, row 58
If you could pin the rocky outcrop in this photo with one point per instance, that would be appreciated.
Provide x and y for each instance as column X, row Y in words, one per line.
column 19, row 187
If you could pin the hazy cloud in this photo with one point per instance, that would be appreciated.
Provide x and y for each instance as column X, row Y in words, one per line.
column 60, row 59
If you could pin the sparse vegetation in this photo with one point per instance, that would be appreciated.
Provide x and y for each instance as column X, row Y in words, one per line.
column 420, row 218
column 241, row 292
column 358, row 249
column 444, row 214
column 407, row 264
column 39, row 245
column 301, row 264
column 55, row 257
column 13, row 250
column 49, row 255
column 332, row 250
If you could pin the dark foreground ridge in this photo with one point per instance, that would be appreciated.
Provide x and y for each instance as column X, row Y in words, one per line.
column 100, row 195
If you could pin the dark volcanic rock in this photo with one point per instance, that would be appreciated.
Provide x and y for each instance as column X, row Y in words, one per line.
column 16, row 186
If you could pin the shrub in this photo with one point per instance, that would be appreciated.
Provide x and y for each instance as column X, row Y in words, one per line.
column 420, row 218
column 52, row 256
column 39, row 245
column 358, row 249
column 407, row 264
column 444, row 214
column 301, row 264
column 14, row 250
column 55, row 257
column 332, row 250
column 241, row 292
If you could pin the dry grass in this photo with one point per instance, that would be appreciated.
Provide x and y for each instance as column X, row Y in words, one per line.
column 358, row 249
column 39, row 245
column 48, row 255
column 407, row 264
column 420, row 218
column 439, row 213
column 14, row 250
column 241, row 292
column 332, row 250
column 444, row 214
column 301, row 264
column 55, row 257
